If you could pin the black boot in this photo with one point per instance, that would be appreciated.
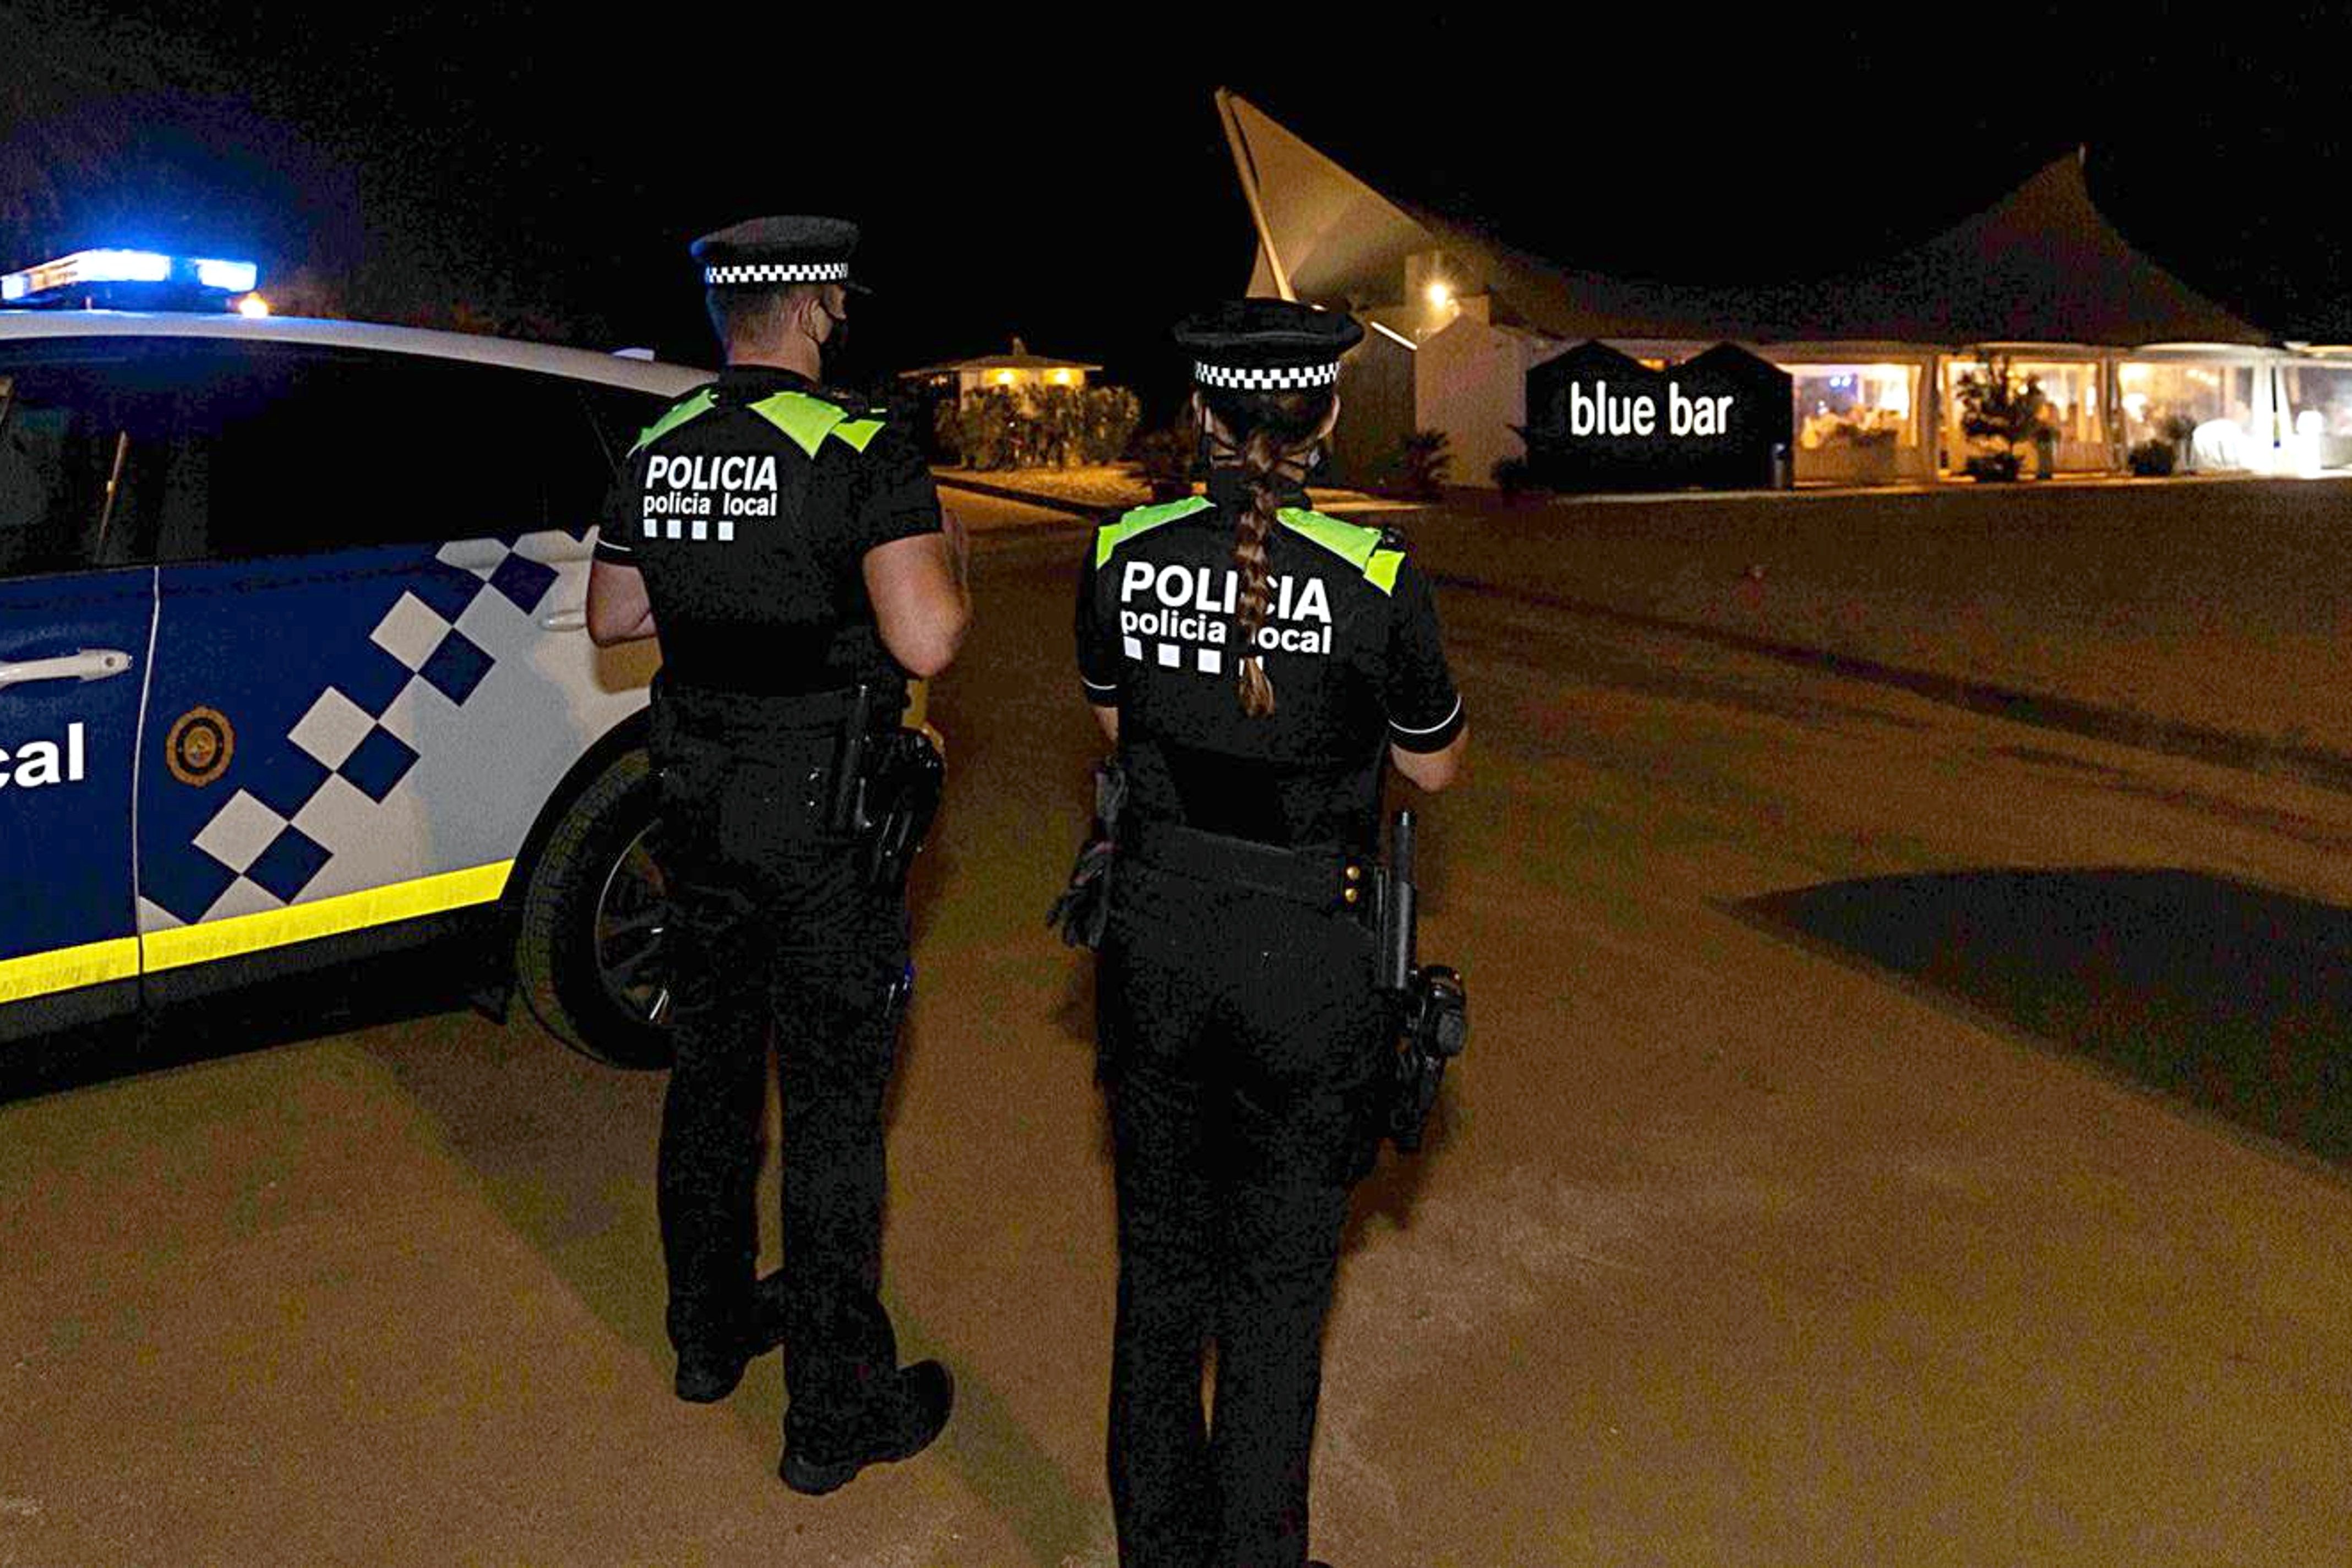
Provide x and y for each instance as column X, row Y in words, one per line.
column 707, row 1373
column 899, row 1430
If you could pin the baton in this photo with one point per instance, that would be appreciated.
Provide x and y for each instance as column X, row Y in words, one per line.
column 850, row 765
column 1400, row 910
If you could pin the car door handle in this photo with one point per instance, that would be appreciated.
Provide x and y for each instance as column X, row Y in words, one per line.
column 564, row 620
column 89, row 664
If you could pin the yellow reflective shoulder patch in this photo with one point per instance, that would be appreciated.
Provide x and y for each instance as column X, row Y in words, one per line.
column 1361, row 547
column 807, row 420
column 857, row 432
column 1351, row 542
column 677, row 414
column 1143, row 519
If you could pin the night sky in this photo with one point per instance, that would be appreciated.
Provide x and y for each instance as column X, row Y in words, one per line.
column 1065, row 177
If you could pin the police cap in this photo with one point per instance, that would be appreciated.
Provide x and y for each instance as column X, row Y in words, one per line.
column 1267, row 345
column 774, row 252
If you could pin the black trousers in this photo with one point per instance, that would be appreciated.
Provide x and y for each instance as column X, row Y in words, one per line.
column 1242, row 1046
column 778, row 941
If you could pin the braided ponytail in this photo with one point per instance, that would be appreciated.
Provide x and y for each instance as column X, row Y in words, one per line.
column 1259, row 457
column 1274, row 430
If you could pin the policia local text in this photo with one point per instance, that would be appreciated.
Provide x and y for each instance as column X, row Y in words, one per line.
column 1212, row 596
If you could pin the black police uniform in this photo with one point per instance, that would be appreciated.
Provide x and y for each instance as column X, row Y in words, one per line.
column 1244, row 1044
column 749, row 507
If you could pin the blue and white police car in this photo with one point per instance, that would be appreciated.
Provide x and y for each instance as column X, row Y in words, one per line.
column 292, row 660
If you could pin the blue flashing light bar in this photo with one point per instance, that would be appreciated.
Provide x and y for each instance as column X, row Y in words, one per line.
column 90, row 274
column 121, row 265
column 233, row 277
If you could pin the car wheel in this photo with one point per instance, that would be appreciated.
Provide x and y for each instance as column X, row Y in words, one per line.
column 592, row 959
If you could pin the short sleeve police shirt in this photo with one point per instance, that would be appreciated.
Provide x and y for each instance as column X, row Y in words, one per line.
column 750, row 507
column 1351, row 643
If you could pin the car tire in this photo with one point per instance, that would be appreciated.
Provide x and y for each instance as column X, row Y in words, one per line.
column 588, row 958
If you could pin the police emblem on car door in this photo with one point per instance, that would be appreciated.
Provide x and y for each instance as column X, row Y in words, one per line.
column 366, row 599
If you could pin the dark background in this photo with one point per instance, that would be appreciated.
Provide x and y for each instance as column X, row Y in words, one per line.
column 1066, row 178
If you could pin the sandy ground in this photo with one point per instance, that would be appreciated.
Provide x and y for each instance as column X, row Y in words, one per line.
column 1088, row 485
column 2216, row 604
column 984, row 512
column 1734, row 1249
column 1097, row 491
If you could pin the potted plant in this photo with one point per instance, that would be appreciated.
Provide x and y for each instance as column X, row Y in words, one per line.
column 2002, row 409
column 1513, row 476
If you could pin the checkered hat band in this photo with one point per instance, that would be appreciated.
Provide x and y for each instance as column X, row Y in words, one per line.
column 777, row 272
column 1260, row 378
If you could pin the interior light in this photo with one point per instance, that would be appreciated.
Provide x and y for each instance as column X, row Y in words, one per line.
column 1441, row 294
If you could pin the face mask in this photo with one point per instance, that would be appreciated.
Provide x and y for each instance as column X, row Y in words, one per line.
column 840, row 367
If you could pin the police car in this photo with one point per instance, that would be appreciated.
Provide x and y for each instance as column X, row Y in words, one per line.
column 293, row 665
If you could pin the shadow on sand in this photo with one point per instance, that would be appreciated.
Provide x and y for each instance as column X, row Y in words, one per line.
column 388, row 988
column 2230, row 996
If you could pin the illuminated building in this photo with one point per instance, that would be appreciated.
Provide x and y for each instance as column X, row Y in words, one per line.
column 1016, row 371
column 2125, row 353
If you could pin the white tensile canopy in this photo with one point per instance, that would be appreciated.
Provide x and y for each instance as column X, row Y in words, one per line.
column 2040, row 266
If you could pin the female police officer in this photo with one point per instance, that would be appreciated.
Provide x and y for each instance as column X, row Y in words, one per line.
column 1253, row 662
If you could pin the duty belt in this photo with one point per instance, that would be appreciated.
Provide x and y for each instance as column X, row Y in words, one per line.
column 743, row 717
column 1319, row 876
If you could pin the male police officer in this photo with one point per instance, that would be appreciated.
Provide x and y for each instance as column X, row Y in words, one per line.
column 791, row 556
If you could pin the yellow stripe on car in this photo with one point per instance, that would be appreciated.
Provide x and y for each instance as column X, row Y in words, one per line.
column 393, row 901
column 64, row 968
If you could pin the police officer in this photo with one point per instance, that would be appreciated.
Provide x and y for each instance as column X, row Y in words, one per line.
column 1256, row 665
column 789, row 551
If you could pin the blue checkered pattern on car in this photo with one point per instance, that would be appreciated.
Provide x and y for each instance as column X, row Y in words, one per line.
column 341, row 639
column 378, row 764
column 285, row 867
